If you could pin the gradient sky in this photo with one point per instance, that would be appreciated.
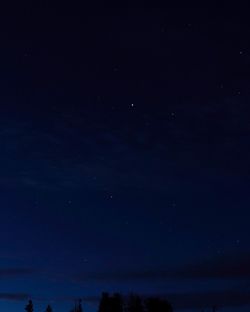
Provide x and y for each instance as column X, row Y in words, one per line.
column 124, row 140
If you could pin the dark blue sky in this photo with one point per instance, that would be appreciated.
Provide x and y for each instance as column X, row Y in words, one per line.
column 124, row 141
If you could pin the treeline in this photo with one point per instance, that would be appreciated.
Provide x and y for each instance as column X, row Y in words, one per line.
column 77, row 308
column 133, row 303
column 117, row 303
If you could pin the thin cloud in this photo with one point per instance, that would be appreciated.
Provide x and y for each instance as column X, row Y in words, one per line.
column 209, row 299
column 14, row 296
column 229, row 266
column 15, row 272
column 226, row 267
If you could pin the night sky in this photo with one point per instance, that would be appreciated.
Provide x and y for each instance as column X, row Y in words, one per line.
column 125, row 149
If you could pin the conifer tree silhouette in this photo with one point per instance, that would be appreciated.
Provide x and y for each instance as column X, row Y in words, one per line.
column 155, row 304
column 104, row 305
column 78, row 306
column 117, row 303
column 135, row 304
column 112, row 303
column 29, row 307
column 49, row 309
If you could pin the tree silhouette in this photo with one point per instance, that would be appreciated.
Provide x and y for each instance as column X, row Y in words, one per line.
column 134, row 304
column 29, row 307
column 78, row 306
column 154, row 304
column 111, row 303
column 117, row 303
column 104, row 305
column 214, row 308
column 49, row 309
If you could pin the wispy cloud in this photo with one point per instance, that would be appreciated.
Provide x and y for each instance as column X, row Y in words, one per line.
column 230, row 266
column 202, row 300
column 14, row 296
column 15, row 272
